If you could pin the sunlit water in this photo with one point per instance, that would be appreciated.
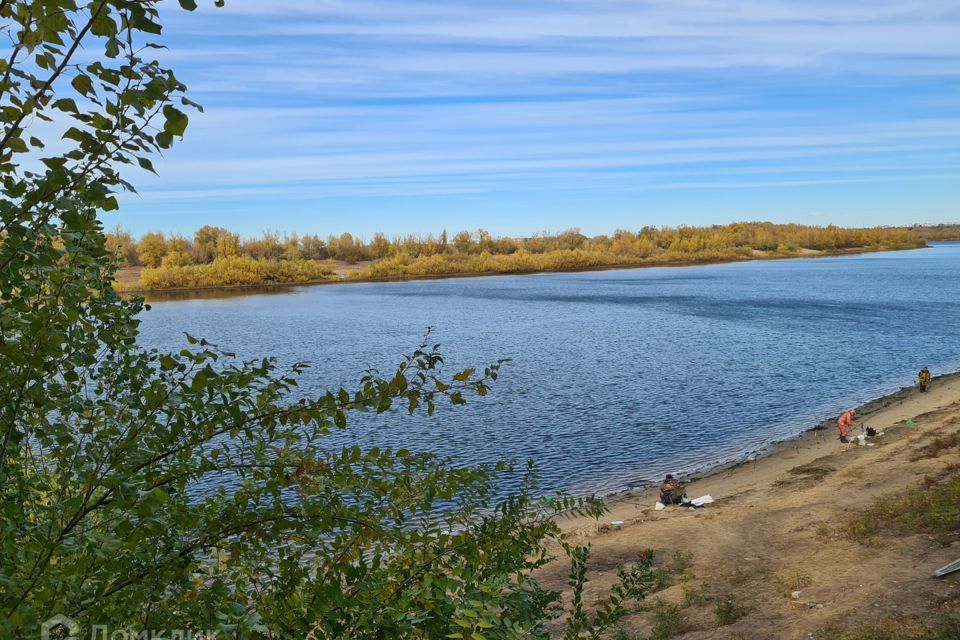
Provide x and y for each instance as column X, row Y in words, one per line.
column 616, row 376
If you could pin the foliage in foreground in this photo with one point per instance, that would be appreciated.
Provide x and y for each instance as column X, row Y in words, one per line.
column 165, row 493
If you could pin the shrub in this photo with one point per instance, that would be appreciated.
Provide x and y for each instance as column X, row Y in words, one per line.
column 667, row 621
column 727, row 610
column 929, row 508
column 934, row 510
column 694, row 597
column 233, row 271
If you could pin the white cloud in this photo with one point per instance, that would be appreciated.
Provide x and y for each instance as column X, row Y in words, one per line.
column 316, row 98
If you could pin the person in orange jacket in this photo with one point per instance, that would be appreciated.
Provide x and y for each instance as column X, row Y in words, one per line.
column 845, row 423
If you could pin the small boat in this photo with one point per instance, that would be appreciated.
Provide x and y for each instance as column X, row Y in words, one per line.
column 950, row 568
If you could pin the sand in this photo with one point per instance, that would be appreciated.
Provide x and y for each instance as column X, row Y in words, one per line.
column 771, row 531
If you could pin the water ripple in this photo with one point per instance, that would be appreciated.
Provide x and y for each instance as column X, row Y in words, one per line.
column 616, row 376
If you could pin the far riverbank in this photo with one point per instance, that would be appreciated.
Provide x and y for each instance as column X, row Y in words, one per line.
column 351, row 273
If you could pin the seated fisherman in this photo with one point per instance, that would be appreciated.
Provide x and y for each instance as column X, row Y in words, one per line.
column 670, row 492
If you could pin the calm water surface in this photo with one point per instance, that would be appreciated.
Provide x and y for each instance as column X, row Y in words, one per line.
column 616, row 376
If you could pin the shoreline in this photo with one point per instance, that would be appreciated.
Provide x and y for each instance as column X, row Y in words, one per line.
column 780, row 537
column 825, row 429
column 184, row 293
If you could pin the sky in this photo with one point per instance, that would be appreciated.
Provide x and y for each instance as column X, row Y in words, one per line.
column 519, row 116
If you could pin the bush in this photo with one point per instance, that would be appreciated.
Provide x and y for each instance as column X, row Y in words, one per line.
column 233, row 271
column 933, row 510
column 667, row 621
column 727, row 610
column 930, row 508
column 694, row 597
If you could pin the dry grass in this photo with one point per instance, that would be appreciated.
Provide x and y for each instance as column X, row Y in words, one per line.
column 937, row 447
column 933, row 507
column 944, row 628
column 728, row 610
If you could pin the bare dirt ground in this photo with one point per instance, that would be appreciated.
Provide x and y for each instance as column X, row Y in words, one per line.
column 773, row 532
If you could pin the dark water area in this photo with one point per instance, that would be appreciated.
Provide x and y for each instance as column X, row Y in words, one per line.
column 616, row 376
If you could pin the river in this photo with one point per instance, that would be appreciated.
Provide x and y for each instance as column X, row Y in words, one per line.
column 616, row 376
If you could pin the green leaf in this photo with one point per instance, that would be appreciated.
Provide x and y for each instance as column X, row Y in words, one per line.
column 83, row 84
column 176, row 121
column 164, row 140
column 199, row 382
column 65, row 104
column 75, row 134
column 189, row 5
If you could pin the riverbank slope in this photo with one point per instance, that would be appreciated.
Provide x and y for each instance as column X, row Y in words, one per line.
column 788, row 540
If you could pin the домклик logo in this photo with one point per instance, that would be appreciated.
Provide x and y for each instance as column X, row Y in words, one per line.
column 59, row 627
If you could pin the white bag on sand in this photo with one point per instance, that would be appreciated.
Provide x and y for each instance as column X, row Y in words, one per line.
column 659, row 506
column 702, row 500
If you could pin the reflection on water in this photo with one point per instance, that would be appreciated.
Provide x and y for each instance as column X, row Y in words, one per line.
column 219, row 293
column 616, row 376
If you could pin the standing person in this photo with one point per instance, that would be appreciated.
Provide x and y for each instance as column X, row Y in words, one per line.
column 845, row 423
column 924, row 376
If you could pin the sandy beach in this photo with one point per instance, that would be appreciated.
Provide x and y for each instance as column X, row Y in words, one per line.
column 775, row 539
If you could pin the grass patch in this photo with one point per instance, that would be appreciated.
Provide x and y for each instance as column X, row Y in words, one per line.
column 794, row 582
column 678, row 567
column 694, row 597
column 667, row 621
column 727, row 610
column 619, row 632
column 661, row 580
column 945, row 627
column 681, row 562
column 937, row 447
column 865, row 529
column 933, row 507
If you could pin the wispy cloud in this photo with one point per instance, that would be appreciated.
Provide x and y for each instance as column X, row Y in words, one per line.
column 368, row 99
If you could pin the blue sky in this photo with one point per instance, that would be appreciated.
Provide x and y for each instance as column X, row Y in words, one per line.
column 518, row 116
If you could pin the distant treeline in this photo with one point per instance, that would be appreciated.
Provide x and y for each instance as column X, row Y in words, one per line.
column 218, row 257
column 936, row 231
